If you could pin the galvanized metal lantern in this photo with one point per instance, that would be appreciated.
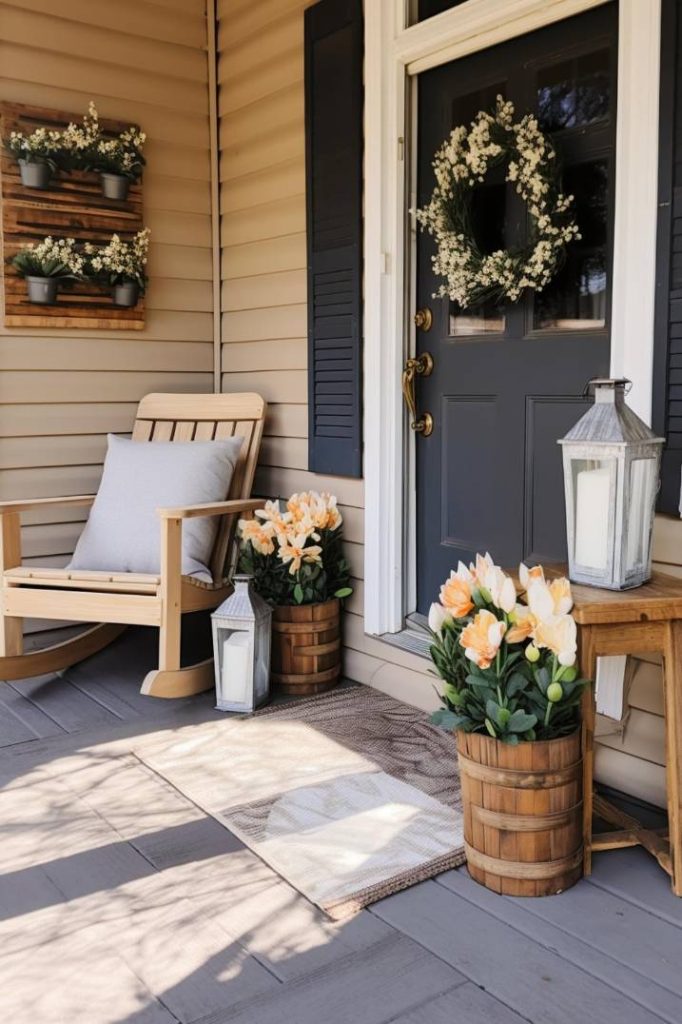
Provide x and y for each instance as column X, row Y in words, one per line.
column 611, row 471
column 241, row 649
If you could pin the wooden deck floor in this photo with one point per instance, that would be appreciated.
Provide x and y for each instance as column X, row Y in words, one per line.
column 121, row 901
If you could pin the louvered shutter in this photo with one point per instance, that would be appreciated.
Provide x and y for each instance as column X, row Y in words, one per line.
column 667, row 403
column 334, row 98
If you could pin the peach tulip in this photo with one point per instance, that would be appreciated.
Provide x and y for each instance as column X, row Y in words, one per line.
column 481, row 638
column 559, row 634
column 455, row 596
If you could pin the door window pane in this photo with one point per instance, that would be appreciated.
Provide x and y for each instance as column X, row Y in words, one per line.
column 488, row 217
column 423, row 9
column 575, row 299
column 574, row 93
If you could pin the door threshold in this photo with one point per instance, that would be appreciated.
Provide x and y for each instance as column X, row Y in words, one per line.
column 413, row 638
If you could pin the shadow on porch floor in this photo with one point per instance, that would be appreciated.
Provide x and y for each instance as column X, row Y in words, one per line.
column 121, row 901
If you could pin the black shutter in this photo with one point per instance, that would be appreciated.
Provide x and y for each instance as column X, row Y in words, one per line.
column 667, row 404
column 334, row 98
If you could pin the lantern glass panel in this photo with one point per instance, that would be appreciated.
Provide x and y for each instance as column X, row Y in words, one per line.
column 643, row 475
column 234, row 665
column 594, row 483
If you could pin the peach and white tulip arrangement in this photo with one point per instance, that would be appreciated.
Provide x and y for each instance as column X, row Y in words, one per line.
column 295, row 553
column 507, row 659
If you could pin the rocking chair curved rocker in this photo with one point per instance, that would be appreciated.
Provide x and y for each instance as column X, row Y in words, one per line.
column 115, row 600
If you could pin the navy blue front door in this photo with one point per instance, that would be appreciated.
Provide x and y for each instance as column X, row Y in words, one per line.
column 508, row 380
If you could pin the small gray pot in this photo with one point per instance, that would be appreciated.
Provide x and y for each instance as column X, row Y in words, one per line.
column 42, row 290
column 35, row 175
column 126, row 294
column 115, row 186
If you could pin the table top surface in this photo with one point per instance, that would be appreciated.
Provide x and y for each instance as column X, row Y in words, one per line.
column 659, row 599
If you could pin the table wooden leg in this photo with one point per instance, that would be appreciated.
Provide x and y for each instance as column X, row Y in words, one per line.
column 588, row 668
column 672, row 685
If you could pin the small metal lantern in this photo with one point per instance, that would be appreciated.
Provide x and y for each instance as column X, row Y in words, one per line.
column 611, row 470
column 241, row 648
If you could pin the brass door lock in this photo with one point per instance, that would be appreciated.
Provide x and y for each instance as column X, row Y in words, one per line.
column 423, row 319
column 421, row 366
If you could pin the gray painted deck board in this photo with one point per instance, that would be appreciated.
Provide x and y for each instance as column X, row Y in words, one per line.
column 399, row 976
column 610, row 941
column 529, row 978
column 466, row 1004
column 115, row 888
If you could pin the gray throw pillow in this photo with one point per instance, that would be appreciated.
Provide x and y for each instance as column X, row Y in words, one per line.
column 123, row 531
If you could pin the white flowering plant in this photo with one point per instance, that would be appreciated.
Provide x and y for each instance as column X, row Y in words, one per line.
column 53, row 257
column 44, row 145
column 119, row 261
column 460, row 164
column 294, row 553
column 120, row 154
column 508, row 665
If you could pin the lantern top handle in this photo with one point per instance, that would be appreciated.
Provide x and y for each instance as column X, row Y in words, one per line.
column 619, row 386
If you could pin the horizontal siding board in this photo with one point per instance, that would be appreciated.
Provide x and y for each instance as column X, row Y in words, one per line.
column 73, row 39
column 288, row 354
column 78, row 355
column 284, row 386
column 281, row 70
column 269, row 257
column 134, row 17
column 52, row 419
column 264, row 291
column 278, row 182
column 92, row 386
column 127, row 83
column 267, row 324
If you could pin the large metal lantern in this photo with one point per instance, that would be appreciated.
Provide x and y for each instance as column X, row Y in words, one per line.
column 611, row 470
column 241, row 649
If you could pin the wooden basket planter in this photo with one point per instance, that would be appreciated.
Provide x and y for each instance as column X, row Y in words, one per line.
column 522, row 813
column 306, row 647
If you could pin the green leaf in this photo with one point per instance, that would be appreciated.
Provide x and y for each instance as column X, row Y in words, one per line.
column 445, row 718
column 521, row 722
column 491, row 728
column 516, row 684
column 343, row 592
column 298, row 593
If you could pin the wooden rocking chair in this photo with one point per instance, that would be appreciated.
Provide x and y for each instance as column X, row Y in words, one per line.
column 114, row 600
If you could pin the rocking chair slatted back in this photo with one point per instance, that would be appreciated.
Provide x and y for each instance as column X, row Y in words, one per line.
column 206, row 418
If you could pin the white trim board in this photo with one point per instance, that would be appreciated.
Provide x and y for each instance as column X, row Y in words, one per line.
column 394, row 53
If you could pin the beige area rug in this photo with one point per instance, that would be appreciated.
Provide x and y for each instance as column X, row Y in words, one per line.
column 349, row 797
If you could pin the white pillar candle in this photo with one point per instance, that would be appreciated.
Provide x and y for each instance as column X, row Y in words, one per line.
column 234, row 673
column 592, row 515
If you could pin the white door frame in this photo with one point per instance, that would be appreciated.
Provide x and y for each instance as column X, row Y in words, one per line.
column 394, row 54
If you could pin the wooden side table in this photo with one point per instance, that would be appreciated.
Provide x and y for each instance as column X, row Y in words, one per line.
column 645, row 620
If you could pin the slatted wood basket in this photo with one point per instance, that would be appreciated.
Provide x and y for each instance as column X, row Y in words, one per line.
column 306, row 647
column 522, row 813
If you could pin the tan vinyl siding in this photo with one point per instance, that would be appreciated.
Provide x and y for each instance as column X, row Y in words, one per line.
column 62, row 391
column 262, row 197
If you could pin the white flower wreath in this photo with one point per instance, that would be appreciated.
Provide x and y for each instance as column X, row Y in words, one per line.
column 460, row 164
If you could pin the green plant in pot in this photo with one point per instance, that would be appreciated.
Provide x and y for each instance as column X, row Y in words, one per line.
column 37, row 155
column 121, row 265
column 295, row 556
column 47, row 264
column 511, row 692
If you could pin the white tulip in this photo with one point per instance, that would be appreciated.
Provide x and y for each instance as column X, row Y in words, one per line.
column 437, row 617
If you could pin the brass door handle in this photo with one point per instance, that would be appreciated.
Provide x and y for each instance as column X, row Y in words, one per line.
column 422, row 366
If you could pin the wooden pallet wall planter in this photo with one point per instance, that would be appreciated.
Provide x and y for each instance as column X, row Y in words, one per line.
column 74, row 207
column 522, row 813
column 306, row 647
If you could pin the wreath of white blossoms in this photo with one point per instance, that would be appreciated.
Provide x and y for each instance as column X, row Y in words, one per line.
column 460, row 164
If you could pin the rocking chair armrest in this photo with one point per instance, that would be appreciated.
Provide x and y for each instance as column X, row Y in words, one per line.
column 26, row 504
column 217, row 508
